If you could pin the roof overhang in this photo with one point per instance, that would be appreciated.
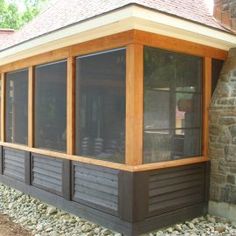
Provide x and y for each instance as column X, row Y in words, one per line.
column 128, row 18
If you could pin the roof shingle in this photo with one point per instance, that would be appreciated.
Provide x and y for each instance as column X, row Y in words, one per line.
column 62, row 13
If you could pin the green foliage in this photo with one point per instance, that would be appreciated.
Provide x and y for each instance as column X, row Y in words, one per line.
column 12, row 17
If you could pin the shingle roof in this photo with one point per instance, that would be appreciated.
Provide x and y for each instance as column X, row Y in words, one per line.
column 63, row 13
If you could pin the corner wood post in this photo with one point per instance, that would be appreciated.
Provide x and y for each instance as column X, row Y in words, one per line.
column 134, row 105
column 66, row 179
column 133, row 196
column 28, row 171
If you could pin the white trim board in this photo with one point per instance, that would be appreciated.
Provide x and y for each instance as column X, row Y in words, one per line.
column 130, row 17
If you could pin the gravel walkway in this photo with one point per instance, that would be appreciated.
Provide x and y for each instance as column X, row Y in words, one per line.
column 45, row 220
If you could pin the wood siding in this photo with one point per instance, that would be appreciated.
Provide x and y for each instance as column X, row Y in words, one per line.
column 97, row 186
column 14, row 164
column 175, row 188
column 47, row 173
column 128, row 202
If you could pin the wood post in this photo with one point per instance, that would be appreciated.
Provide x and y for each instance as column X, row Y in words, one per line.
column 206, row 102
column 3, row 90
column 134, row 105
column 70, row 105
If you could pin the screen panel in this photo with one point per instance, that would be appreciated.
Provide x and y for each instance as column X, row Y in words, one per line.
column 100, row 105
column 17, row 107
column 172, row 105
column 50, row 106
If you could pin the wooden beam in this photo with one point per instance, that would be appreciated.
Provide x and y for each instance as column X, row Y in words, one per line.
column 134, row 105
column 31, row 81
column 100, row 44
column 108, row 164
column 3, row 90
column 70, row 105
column 178, row 45
column 207, row 80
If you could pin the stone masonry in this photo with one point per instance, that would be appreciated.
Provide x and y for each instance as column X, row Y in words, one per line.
column 222, row 135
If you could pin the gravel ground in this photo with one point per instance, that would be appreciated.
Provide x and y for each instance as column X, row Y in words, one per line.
column 45, row 220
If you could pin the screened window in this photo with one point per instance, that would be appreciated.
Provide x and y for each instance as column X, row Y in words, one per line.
column 172, row 105
column 17, row 107
column 100, row 105
column 50, row 106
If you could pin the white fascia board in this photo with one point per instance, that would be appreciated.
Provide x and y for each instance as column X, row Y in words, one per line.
column 156, row 22
column 130, row 17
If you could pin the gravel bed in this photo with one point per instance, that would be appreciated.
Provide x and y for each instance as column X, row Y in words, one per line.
column 45, row 220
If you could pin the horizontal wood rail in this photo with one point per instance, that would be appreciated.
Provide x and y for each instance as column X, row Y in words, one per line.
column 87, row 160
column 116, row 41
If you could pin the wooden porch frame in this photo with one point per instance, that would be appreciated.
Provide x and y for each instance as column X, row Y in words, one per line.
column 133, row 40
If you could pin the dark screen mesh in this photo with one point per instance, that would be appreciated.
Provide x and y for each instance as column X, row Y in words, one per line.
column 100, row 105
column 216, row 69
column 50, row 106
column 172, row 105
column 17, row 107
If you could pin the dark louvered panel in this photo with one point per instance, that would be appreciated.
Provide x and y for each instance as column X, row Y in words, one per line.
column 176, row 188
column 14, row 163
column 96, row 185
column 47, row 173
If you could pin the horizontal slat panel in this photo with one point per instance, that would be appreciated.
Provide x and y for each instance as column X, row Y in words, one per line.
column 48, row 185
column 95, row 185
column 47, row 173
column 96, row 172
column 91, row 192
column 180, row 193
column 175, row 174
column 101, row 202
column 14, row 164
column 176, row 203
column 94, row 179
column 175, row 188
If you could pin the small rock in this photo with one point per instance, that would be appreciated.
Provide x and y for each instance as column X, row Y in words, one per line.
column 51, row 210
column 86, row 228
column 220, row 229
column 178, row 228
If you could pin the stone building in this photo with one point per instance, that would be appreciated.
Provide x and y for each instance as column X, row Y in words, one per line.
column 222, row 135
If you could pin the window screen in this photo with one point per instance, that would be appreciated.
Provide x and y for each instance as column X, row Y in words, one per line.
column 172, row 105
column 100, row 105
column 17, row 107
column 50, row 106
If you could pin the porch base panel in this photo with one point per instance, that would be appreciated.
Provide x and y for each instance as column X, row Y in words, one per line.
column 131, row 203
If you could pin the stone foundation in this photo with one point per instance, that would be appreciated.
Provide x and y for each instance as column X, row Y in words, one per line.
column 222, row 141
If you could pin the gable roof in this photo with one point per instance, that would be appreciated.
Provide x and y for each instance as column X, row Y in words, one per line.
column 61, row 14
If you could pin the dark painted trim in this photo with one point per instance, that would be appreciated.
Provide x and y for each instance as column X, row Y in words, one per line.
column 207, row 180
column 1, row 160
column 28, row 172
column 133, row 195
column 84, row 211
column 132, row 217
column 66, row 179
column 92, row 204
column 169, row 218
column 34, row 155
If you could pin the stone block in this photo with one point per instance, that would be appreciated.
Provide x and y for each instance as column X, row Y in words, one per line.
column 231, row 179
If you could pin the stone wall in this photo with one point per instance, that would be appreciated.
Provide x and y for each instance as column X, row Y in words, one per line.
column 222, row 138
column 225, row 12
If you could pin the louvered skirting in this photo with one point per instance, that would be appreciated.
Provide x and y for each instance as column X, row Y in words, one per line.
column 47, row 173
column 96, row 186
column 14, row 163
column 176, row 188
